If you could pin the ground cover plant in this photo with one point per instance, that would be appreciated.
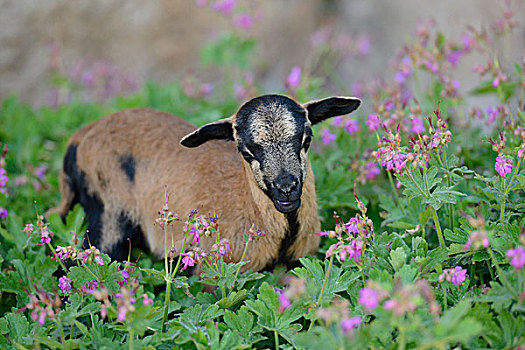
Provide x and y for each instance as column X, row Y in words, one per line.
column 421, row 195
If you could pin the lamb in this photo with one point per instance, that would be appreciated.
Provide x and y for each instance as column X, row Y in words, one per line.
column 250, row 168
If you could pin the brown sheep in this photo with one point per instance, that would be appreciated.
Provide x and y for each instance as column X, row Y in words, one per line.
column 118, row 168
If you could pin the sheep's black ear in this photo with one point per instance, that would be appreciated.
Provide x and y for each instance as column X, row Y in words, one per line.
column 219, row 130
column 320, row 110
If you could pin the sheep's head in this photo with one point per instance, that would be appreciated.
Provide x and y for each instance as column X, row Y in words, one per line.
column 273, row 134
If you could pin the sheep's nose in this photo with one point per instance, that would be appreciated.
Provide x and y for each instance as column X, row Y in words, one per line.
column 286, row 183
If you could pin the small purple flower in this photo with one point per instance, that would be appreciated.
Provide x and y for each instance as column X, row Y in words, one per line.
column 368, row 298
column 492, row 113
column 347, row 325
column 351, row 226
column 327, row 137
column 351, row 126
column 503, row 165
column 372, row 122
column 187, row 260
column 64, row 283
column 417, row 126
column 3, row 177
column 468, row 42
column 517, row 256
column 337, row 121
column 91, row 286
column 284, row 301
column 294, row 78
column 372, row 170
column 196, row 236
column 458, row 275
column 45, row 235
column 146, row 300
column 3, row 213
column 389, row 105
column 243, row 21
column 224, row 6
column 124, row 274
column 454, row 57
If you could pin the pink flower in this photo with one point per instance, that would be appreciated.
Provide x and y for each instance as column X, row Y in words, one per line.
column 492, row 113
column 224, row 6
column 187, row 260
column 147, row 300
column 372, row 122
column 337, row 121
column 453, row 57
column 64, row 283
column 294, row 78
column 91, row 286
column 417, row 126
column 372, row 170
column 327, row 137
column 284, row 301
column 503, row 166
column 243, row 21
column 458, row 275
column 347, row 325
column 368, row 298
column 45, row 235
column 517, row 256
column 351, row 226
column 351, row 126
column 3, row 213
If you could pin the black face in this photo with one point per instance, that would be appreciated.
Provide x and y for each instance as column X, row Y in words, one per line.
column 273, row 136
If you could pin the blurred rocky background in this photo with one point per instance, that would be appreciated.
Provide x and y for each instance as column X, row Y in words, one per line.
column 161, row 40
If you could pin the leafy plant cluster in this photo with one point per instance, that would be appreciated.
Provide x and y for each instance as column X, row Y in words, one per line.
column 421, row 195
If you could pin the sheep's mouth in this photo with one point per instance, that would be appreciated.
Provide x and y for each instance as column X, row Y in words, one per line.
column 286, row 206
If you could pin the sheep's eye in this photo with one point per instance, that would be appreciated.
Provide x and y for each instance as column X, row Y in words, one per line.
column 247, row 156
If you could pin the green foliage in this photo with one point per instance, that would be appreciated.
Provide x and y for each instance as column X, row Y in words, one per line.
column 449, row 211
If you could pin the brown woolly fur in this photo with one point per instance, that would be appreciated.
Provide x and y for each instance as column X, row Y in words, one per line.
column 119, row 167
column 210, row 179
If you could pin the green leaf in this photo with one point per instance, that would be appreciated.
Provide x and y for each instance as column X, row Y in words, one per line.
column 458, row 235
column 398, row 258
column 314, row 274
column 435, row 258
column 232, row 299
column 266, row 308
column 425, row 216
column 442, row 195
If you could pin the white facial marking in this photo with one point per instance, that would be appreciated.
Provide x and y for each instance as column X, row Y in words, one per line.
column 272, row 122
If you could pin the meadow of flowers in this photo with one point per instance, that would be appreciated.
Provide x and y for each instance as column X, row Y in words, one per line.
column 421, row 193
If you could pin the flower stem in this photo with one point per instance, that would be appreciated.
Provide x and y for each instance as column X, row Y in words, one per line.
column 506, row 189
column 276, row 336
column 502, row 207
column 501, row 274
column 242, row 257
column 394, row 190
column 445, row 298
column 325, row 280
column 438, row 228
column 130, row 339
column 450, row 206
column 167, row 302
column 434, row 212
